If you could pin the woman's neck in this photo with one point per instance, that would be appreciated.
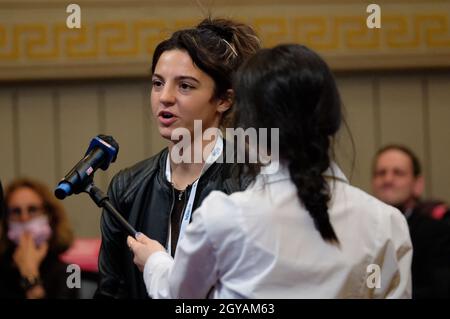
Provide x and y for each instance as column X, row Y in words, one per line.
column 184, row 173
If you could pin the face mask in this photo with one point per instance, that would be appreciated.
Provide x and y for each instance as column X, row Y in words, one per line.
column 38, row 227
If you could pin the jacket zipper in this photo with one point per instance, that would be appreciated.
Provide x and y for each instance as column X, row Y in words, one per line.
column 170, row 216
column 185, row 192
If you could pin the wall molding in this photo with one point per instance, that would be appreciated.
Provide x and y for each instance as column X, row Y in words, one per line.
column 117, row 41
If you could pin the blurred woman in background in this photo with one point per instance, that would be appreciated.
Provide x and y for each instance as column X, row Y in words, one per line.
column 35, row 232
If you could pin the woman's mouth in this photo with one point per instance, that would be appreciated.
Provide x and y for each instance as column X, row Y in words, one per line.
column 166, row 115
column 166, row 118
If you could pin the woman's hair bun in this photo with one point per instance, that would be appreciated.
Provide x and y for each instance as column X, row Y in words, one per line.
column 218, row 26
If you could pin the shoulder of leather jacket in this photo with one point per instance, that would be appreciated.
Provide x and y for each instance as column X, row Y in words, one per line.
column 125, row 182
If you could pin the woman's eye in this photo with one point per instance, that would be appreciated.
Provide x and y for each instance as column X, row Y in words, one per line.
column 33, row 210
column 186, row 86
column 15, row 211
column 157, row 83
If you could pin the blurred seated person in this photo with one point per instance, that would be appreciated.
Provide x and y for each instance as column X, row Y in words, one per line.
column 436, row 209
column 397, row 180
column 35, row 231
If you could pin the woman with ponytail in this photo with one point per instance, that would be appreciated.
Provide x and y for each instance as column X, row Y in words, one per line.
column 299, row 231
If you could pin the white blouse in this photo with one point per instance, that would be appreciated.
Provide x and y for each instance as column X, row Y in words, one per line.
column 262, row 243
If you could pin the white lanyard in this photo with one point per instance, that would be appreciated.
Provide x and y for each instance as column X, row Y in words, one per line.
column 213, row 156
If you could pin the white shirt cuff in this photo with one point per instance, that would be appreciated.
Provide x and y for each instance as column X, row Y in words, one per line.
column 156, row 270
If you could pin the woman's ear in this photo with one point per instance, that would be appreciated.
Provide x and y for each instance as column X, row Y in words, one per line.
column 225, row 103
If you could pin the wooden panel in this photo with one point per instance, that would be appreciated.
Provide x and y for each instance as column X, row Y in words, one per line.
column 79, row 123
column 36, row 124
column 124, row 120
column 439, row 115
column 402, row 116
column 153, row 140
column 7, row 152
column 357, row 97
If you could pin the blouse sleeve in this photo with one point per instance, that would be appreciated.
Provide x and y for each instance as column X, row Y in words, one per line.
column 395, row 260
column 192, row 273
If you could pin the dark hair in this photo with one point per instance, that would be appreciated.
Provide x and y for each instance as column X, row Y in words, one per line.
column 217, row 47
column 291, row 88
column 62, row 235
column 417, row 169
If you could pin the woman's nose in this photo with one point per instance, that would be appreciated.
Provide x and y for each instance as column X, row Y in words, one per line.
column 167, row 96
column 24, row 216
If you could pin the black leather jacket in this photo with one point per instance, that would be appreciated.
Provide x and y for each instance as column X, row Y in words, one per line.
column 145, row 198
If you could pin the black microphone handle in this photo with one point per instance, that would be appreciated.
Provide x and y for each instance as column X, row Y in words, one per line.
column 110, row 208
column 102, row 201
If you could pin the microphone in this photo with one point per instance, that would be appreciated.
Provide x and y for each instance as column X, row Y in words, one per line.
column 101, row 152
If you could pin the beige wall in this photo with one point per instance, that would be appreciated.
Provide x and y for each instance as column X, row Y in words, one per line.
column 45, row 128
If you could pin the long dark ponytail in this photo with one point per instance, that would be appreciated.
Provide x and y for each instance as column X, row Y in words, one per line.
column 291, row 88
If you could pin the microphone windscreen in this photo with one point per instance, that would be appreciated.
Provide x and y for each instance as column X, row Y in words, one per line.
column 111, row 141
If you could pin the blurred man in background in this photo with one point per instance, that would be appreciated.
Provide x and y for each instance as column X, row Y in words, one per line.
column 397, row 180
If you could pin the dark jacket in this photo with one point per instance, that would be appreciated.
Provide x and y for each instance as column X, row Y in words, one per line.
column 431, row 256
column 435, row 209
column 145, row 199
column 53, row 273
